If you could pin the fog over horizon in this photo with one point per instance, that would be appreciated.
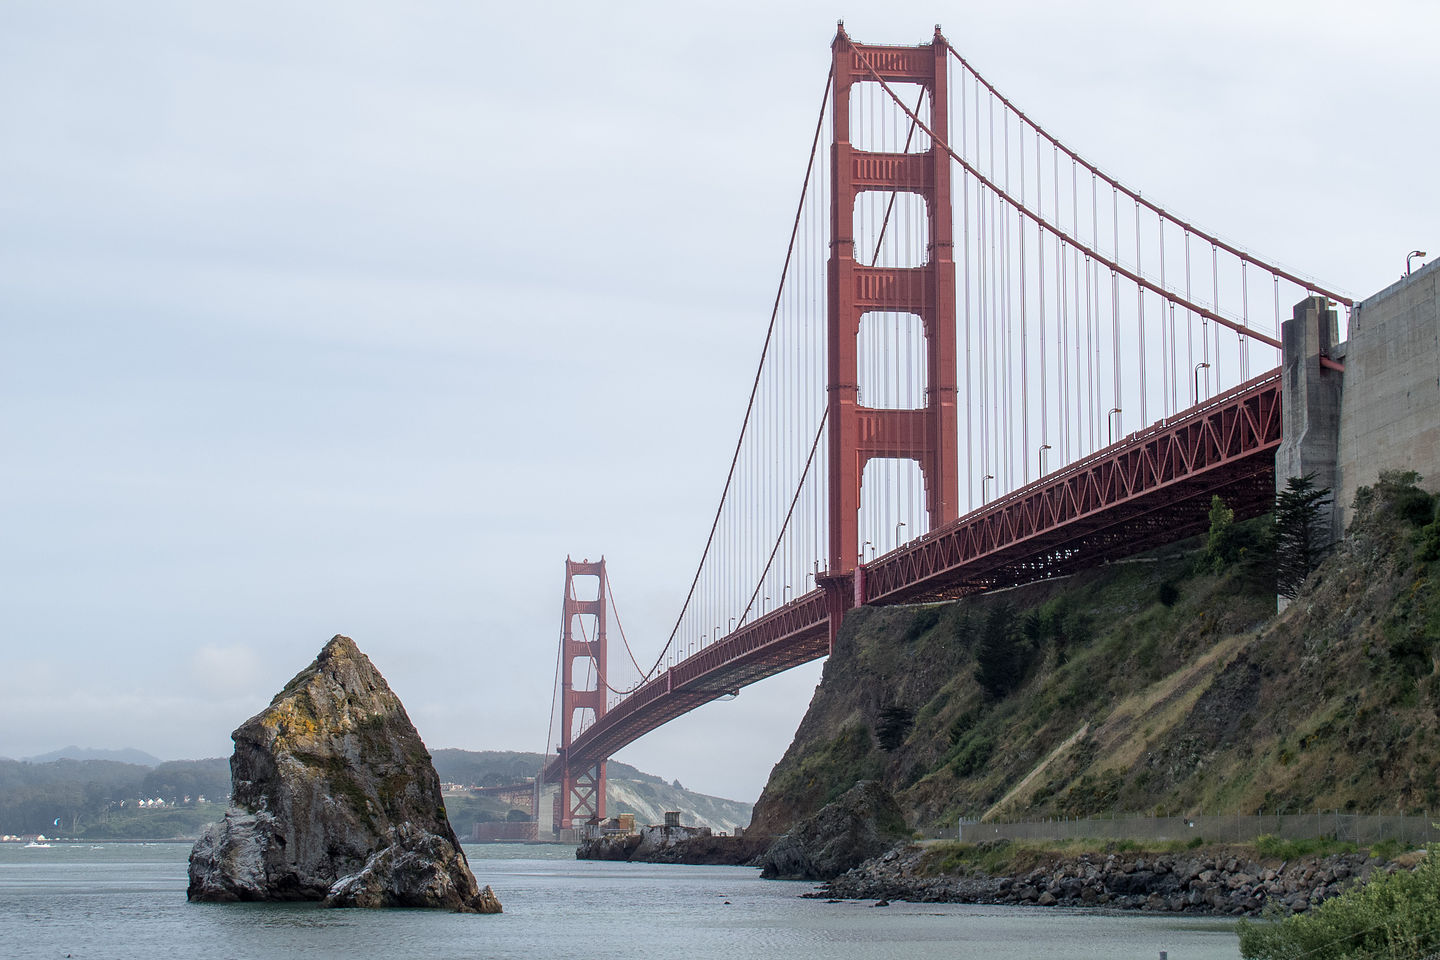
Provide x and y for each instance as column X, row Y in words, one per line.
column 358, row 318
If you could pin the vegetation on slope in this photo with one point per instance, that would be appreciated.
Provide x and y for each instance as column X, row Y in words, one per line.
column 1393, row 916
column 1165, row 684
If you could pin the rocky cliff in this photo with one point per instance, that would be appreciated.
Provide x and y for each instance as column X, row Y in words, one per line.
column 1166, row 684
column 863, row 823
column 334, row 798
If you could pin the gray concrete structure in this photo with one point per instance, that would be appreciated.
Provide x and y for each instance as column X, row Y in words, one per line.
column 1383, row 411
column 1390, row 414
column 1312, row 398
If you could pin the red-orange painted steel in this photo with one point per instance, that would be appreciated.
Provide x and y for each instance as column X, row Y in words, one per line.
column 929, row 434
column 1151, row 488
column 582, row 781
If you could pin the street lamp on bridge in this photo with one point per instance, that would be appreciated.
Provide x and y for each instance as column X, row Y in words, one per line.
column 897, row 532
column 984, row 480
column 1110, row 422
column 1202, row 365
column 1411, row 256
column 1040, row 455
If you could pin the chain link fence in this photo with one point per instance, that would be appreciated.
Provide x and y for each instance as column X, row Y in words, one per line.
column 1362, row 829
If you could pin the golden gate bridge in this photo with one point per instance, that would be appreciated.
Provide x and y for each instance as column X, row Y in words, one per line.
column 969, row 314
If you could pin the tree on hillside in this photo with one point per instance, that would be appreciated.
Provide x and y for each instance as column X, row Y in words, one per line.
column 1000, row 655
column 893, row 725
column 1300, row 539
column 1221, row 547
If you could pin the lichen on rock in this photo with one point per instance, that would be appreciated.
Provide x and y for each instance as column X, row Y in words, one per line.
column 334, row 798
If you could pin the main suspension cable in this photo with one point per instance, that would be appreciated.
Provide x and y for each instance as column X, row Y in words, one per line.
column 755, row 386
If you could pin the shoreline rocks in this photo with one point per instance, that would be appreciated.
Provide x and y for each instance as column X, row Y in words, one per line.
column 334, row 798
column 1212, row 884
column 660, row 844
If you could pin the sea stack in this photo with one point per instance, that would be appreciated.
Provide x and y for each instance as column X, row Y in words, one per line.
column 334, row 798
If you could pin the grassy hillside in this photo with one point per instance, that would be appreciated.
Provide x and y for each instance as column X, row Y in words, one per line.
column 1165, row 684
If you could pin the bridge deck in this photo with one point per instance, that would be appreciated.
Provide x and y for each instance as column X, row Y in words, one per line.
column 1151, row 488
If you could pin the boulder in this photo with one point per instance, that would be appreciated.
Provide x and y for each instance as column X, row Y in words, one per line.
column 863, row 823
column 334, row 798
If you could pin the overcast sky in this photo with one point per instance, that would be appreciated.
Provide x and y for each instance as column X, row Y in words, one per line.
column 358, row 317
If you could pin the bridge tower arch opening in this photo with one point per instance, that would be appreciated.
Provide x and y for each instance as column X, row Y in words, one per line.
column 858, row 284
column 581, row 795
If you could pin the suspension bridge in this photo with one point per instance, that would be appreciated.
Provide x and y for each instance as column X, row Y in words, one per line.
column 969, row 314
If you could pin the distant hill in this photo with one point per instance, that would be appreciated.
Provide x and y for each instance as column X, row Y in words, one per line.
column 493, row 768
column 127, row 755
column 628, row 791
column 102, row 799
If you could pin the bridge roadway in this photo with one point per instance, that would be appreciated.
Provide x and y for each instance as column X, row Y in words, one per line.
column 1150, row 488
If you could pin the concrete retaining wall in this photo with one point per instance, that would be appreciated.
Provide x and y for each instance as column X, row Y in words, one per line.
column 1390, row 415
column 1383, row 411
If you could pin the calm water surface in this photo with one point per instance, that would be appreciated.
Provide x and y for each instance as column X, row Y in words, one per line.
column 127, row 901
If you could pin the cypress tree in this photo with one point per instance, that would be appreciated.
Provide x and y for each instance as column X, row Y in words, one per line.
column 1300, row 539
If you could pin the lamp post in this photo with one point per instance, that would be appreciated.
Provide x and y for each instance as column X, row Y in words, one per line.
column 1203, row 364
column 1110, row 422
column 897, row 532
column 984, row 480
column 1040, row 455
column 861, row 558
column 1411, row 256
column 785, row 596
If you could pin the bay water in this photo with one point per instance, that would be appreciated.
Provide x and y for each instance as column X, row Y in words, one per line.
column 126, row 901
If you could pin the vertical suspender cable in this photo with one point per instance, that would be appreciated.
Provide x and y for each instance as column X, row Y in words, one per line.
column 1140, row 319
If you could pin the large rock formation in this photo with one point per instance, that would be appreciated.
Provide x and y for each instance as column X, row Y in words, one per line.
column 334, row 798
column 863, row 823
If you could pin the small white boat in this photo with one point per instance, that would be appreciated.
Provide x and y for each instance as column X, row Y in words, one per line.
column 36, row 843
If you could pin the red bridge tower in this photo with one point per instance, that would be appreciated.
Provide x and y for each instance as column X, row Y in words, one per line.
column 927, row 434
column 582, row 788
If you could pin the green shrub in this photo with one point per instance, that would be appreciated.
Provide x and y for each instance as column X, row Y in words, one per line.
column 972, row 756
column 1387, row 849
column 1268, row 845
column 961, row 725
column 922, row 622
column 1392, row 916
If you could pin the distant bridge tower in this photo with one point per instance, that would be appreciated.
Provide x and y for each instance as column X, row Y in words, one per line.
column 581, row 797
column 927, row 434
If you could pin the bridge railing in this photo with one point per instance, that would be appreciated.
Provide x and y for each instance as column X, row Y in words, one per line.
column 1237, row 425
